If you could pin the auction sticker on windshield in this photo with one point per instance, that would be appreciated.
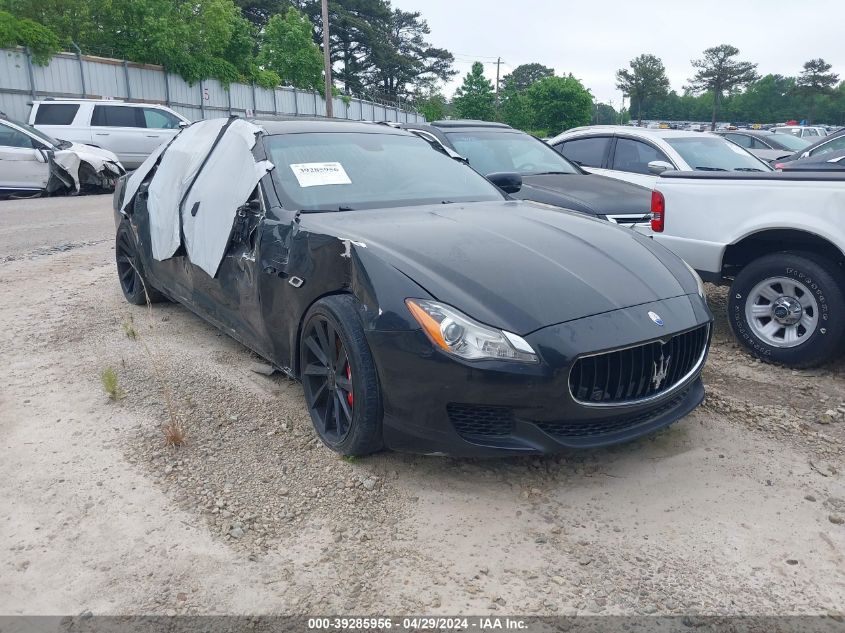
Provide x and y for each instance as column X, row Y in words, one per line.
column 314, row 174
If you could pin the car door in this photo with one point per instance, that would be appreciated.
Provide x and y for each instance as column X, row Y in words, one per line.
column 161, row 126
column 23, row 164
column 121, row 129
column 630, row 159
column 589, row 152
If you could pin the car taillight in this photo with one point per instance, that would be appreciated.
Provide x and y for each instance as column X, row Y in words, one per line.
column 658, row 211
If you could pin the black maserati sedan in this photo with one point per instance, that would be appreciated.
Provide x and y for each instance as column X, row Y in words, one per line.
column 545, row 175
column 421, row 308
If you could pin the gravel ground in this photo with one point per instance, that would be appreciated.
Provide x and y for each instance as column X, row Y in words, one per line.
column 738, row 509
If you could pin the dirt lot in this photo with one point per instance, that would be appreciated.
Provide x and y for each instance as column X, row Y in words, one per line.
column 737, row 509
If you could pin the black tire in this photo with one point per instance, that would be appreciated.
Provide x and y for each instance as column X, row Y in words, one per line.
column 130, row 274
column 825, row 282
column 347, row 421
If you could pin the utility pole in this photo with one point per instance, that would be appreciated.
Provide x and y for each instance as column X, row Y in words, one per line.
column 327, row 60
column 498, row 63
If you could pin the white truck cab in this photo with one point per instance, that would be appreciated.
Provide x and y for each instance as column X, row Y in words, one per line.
column 130, row 130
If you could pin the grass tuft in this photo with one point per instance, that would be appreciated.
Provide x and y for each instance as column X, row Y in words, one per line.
column 174, row 434
column 110, row 384
column 129, row 329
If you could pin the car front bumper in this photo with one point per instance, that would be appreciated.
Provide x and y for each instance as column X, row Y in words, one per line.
column 434, row 403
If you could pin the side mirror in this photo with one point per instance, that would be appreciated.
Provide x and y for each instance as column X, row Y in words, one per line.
column 507, row 181
column 183, row 124
column 659, row 166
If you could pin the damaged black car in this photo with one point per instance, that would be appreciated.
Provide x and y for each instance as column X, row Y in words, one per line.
column 421, row 308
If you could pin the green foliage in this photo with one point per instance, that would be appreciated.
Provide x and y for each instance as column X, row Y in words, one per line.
column 558, row 103
column 108, row 377
column 646, row 80
column 515, row 110
column 475, row 98
column 432, row 106
column 719, row 73
column 42, row 42
column 814, row 82
column 288, row 49
column 524, row 75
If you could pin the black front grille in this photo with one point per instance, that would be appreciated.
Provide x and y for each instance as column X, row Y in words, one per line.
column 607, row 426
column 637, row 372
column 479, row 421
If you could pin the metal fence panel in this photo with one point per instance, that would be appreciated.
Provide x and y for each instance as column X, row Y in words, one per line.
column 79, row 76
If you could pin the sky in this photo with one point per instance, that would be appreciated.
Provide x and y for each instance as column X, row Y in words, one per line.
column 592, row 40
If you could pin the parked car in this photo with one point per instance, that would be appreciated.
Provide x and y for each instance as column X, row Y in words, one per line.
column 546, row 176
column 33, row 163
column 801, row 131
column 778, row 240
column 829, row 161
column 130, row 130
column 765, row 145
column 639, row 155
column 420, row 307
column 831, row 143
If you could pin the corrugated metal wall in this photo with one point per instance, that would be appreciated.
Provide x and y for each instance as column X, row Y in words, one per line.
column 81, row 76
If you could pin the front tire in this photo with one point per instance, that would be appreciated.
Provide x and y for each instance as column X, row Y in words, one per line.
column 339, row 377
column 789, row 308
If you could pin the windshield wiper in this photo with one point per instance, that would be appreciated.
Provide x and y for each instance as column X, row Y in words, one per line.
column 552, row 173
column 746, row 169
column 709, row 169
column 332, row 210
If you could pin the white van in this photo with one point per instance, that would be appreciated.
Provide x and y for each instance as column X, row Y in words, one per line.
column 130, row 130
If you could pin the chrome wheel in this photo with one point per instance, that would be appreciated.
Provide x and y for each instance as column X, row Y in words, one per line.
column 782, row 312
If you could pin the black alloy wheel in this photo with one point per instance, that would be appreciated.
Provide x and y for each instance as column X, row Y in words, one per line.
column 339, row 378
column 135, row 287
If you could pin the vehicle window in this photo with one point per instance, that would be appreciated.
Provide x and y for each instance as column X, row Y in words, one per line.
column 634, row 156
column 56, row 113
column 117, row 116
column 160, row 120
column 756, row 143
column 490, row 152
column 811, row 132
column 741, row 139
column 831, row 146
column 715, row 154
column 588, row 152
column 10, row 137
column 787, row 141
column 330, row 171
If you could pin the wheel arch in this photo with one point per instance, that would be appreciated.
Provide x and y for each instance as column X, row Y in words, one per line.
column 765, row 242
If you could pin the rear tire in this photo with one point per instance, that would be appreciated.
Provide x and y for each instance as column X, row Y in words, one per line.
column 789, row 308
column 130, row 274
column 339, row 377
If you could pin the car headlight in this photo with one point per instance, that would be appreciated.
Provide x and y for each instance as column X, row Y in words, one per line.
column 458, row 335
column 697, row 278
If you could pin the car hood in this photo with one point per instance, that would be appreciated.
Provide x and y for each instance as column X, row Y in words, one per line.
column 87, row 152
column 588, row 193
column 514, row 265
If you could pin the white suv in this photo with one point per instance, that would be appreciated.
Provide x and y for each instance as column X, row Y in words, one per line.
column 130, row 130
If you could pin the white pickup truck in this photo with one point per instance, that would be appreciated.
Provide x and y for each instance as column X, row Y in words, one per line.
column 778, row 239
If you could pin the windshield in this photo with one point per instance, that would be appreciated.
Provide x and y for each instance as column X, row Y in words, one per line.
column 712, row 153
column 789, row 142
column 490, row 152
column 330, row 171
column 35, row 132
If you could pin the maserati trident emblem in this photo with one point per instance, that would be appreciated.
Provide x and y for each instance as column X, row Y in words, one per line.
column 661, row 370
column 656, row 318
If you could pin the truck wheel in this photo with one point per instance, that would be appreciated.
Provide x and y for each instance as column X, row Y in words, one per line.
column 789, row 308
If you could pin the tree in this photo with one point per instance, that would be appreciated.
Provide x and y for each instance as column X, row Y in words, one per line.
column 524, row 75
column 42, row 42
column 646, row 80
column 515, row 109
column 815, row 81
column 432, row 105
column 288, row 49
column 558, row 103
column 475, row 98
column 719, row 73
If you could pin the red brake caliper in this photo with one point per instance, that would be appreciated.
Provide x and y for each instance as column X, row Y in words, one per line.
column 349, row 397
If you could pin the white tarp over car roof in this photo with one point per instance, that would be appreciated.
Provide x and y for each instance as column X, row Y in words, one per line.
column 225, row 183
column 211, row 163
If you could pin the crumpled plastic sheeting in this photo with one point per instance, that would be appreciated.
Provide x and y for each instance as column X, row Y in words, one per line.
column 70, row 161
column 177, row 169
column 133, row 183
column 224, row 184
